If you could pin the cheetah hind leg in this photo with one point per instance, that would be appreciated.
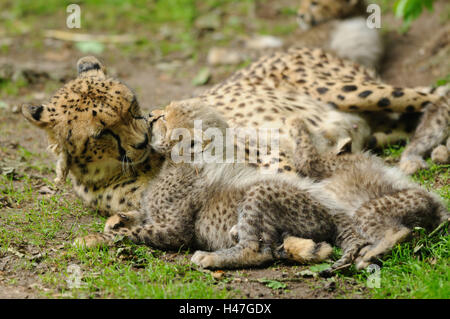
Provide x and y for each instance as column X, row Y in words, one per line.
column 247, row 253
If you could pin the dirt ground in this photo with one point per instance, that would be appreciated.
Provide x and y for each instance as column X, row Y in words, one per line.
column 417, row 58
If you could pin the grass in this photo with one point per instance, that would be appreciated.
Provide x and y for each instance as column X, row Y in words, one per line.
column 161, row 27
column 128, row 272
column 417, row 269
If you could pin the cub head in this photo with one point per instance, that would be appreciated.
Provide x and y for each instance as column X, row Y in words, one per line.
column 314, row 12
column 186, row 127
column 92, row 122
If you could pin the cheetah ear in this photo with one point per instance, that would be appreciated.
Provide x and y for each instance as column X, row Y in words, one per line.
column 90, row 66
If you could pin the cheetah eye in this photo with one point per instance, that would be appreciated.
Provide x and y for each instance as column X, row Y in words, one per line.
column 102, row 133
column 141, row 145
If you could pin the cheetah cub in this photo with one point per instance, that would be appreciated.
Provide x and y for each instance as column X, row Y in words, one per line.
column 382, row 202
column 238, row 216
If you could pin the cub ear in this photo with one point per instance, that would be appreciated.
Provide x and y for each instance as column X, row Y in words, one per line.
column 90, row 66
column 344, row 146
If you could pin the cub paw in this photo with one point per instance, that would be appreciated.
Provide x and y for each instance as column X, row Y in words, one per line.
column 440, row 155
column 89, row 241
column 234, row 234
column 120, row 220
column 411, row 165
column 205, row 259
column 362, row 262
column 371, row 253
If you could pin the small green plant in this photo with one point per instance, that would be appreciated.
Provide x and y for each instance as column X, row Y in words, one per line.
column 273, row 284
column 409, row 10
column 443, row 81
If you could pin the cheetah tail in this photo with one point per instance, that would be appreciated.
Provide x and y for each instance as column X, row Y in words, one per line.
column 386, row 98
column 306, row 250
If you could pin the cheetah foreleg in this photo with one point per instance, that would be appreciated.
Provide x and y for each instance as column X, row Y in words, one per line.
column 441, row 154
column 307, row 160
column 433, row 129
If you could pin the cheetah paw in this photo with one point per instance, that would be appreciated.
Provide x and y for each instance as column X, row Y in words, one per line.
column 120, row 220
column 204, row 259
column 411, row 165
column 234, row 233
column 363, row 261
column 89, row 241
column 371, row 253
column 441, row 155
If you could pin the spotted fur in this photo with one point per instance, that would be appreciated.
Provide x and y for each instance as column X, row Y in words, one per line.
column 382, row 202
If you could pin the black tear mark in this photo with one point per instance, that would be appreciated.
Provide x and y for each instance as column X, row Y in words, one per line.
column 85, row 146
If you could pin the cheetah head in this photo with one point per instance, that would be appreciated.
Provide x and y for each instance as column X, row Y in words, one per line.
column 185, row 124
column 314, row 12
column 93, row 123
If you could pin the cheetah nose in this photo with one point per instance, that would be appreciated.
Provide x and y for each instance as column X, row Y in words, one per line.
column 35, row 111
